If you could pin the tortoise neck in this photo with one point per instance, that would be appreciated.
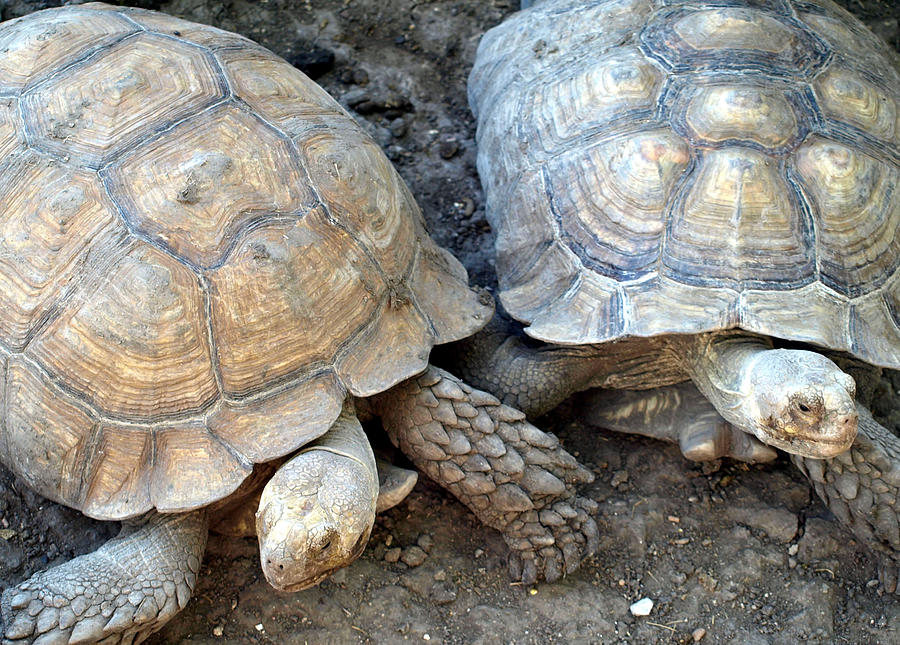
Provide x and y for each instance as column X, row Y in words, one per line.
column 717, row 363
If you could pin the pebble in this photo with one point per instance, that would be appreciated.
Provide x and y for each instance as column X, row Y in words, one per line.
column 448, row 148
column 619, row 477
column 393, row 555
column 443, row 593
column 642, row 607
column 11, row 556
column 398, row 127
column 425, row 542
column 413, row 556
column 698, row 634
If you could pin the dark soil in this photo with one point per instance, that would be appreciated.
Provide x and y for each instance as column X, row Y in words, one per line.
column 747, row 554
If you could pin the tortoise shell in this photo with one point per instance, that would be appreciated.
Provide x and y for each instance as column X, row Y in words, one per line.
column 656, row 167
column 201, row 255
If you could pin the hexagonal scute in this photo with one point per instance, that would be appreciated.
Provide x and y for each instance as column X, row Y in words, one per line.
column 277, row 90
column 37, row 44
column 852, row 103
column 736, row 224
column 135, row 342
column 56, row 224
column 687, row 39
column 193, row 188
column 617, row 86
column 289, row 298
column 123, row 94
column 852, row 198
column 728, row 112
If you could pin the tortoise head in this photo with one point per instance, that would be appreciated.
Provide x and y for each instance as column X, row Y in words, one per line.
column 315, row 516
column 801, row 402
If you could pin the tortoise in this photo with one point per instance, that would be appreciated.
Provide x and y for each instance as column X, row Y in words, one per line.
column 695, row 202
column 207, row 266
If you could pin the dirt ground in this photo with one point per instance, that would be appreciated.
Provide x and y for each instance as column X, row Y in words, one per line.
column 727, row 553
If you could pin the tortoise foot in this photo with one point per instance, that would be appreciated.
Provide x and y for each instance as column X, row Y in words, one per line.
column 121, row 593
column 552, row 542
column 515, row 478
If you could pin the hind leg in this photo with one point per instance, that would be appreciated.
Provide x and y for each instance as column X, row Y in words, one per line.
column 677, row 413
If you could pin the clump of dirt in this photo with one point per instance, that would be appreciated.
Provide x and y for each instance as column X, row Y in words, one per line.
column 728, row 553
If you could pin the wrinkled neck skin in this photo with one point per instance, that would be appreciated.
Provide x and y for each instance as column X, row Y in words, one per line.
column 795, row 400
column 716, row 363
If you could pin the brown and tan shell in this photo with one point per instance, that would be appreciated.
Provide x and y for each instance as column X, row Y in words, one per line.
column 657, row 167
column 201, row 255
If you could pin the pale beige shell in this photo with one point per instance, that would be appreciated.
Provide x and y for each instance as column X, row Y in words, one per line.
column 201, row 254
column 657, row 167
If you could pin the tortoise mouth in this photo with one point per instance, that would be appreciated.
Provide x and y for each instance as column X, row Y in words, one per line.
column 813, row 448
column 305, row 583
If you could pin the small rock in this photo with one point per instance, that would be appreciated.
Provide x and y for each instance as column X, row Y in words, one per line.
column 619, row 477
column 443, row 593
column 218, row 630
column 698, row 634
column 398, row 127
column 440, row 575
column 413, row 556
column 425, row 541
column 393, row 555
column 356, row 97
column 448, row 148
column 11, row 557
column 642, row 607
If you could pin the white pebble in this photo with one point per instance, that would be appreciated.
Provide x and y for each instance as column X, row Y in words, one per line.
column 642, row 607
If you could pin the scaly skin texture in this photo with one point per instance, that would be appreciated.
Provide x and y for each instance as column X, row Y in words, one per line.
column 795, row 400
column 862, row 488
column 120, row 593
column 531, row 379
column 514, row 477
